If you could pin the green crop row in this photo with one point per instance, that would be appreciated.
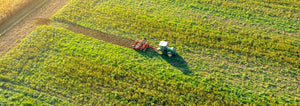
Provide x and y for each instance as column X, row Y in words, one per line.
column 12, row 94
column 80, row 70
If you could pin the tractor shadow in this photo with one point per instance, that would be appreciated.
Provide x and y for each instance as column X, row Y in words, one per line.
column 150, row 53
column 176, row 61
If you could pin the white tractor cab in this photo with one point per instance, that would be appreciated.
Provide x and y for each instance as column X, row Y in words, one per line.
column 164, row 49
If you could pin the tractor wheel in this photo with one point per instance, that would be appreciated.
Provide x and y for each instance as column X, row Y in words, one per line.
column 159, row 52
column 170, row 54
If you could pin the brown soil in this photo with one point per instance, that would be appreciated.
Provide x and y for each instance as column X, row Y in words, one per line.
column 11, row 38
column 125, row 42
column 15, row 10
column 42, row 21
column 121, row 41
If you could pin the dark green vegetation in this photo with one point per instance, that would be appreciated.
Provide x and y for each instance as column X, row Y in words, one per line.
column 54, row 66
column 253, row 45
column 233, row 52
column 197, row 25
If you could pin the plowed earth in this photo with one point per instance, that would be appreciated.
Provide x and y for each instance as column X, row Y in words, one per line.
column 101, row 36
column 121, row 41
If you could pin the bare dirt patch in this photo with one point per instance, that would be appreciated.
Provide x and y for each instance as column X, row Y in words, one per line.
column 125, row 42
column 121, row 41
column 42, row 21
column 11, row 38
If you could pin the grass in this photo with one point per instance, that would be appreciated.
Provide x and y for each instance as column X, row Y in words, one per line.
column 184, row 29
column 244, row 44
column 230, row 53
column 54, row 64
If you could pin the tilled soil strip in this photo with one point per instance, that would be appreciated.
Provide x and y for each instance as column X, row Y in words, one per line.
column 125, row 42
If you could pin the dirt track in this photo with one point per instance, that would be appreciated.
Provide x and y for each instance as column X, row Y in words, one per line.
column 20, row 15
column 101, row 36
column 121, row 41
column 11, row 38
column 12, row 11
column 42, row 17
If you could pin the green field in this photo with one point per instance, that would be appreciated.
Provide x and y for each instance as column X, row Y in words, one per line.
column 193, row 28
column 242, row 51
column 230, row 52
column 58, row 66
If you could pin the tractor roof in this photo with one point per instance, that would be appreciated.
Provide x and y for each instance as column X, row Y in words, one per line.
column 163, row 43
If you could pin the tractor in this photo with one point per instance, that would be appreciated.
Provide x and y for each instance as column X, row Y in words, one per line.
column 164, row 49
